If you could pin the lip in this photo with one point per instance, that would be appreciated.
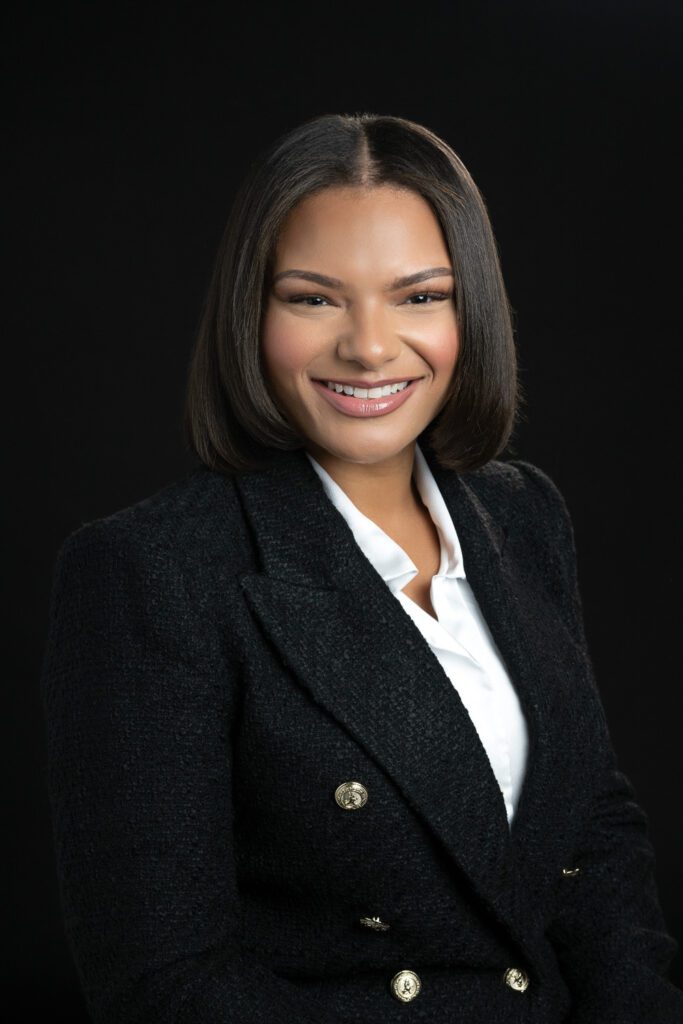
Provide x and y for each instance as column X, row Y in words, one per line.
column 366, row 407
column 357, row 383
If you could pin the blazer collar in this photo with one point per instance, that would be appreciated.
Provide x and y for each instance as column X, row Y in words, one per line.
column 289, row 545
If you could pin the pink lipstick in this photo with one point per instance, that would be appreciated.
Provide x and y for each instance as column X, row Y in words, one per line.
column 351, row 406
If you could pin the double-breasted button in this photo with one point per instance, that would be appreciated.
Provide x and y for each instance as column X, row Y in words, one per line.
column 570, row 872
column 405, row 985
column 516, row 978
column 376, row 923
column 351, row 795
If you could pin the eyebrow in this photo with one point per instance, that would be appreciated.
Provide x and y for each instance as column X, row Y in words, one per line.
column 398, row 282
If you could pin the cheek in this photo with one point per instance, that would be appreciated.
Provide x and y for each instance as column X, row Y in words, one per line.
column 441, row 350
column 286, row 347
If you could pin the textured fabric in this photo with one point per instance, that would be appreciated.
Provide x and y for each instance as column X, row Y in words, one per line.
column 459, row 636
column 211, row 677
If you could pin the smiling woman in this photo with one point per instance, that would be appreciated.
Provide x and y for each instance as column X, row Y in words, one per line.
column 324, row 737
column 400, row 243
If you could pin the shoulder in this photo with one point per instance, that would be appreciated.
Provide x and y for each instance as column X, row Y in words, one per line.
column 148, row 582
column 517, row 489
column 187, row 517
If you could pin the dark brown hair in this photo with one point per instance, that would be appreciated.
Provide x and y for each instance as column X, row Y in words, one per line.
column 230, row 420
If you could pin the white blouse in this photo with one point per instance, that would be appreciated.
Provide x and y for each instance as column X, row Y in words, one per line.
column 460, row 639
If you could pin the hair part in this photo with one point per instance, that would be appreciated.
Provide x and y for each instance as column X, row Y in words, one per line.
column 230, row 420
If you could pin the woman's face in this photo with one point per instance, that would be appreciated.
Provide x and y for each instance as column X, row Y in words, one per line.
column 339, row 313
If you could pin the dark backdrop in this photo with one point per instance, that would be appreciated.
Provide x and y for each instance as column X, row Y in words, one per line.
column 127, row 129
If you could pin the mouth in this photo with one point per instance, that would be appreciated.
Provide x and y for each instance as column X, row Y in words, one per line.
column 366, row 401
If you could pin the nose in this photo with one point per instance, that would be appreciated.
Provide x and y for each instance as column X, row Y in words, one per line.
column 370, row 340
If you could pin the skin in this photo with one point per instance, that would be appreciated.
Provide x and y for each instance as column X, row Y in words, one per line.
column 365, row 329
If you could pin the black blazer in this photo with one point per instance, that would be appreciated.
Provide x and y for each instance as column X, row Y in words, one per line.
column 221, row 657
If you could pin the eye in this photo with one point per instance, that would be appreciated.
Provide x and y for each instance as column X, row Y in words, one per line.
column 429, row 297
column 307, row 299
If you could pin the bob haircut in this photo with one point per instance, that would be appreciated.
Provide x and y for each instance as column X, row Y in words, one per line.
column 230, row 420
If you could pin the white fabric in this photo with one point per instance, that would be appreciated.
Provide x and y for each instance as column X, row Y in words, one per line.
column 460, row 639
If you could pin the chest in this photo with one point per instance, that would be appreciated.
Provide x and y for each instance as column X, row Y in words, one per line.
column 419, row 538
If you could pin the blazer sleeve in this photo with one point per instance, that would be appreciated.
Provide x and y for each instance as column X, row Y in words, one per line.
column 139, row 706
column 608, row 930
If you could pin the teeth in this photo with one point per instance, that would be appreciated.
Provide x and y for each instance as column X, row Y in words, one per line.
column 388, row 389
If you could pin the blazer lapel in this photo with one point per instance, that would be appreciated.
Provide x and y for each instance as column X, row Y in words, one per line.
column 545, row 667
column 345, row 637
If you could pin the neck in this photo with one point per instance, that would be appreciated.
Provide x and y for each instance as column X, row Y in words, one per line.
column 382, row 491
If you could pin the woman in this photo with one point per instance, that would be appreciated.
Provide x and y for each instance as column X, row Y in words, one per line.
column 324, row 739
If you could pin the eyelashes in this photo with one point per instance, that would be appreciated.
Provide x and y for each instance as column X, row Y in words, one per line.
column 433, row 297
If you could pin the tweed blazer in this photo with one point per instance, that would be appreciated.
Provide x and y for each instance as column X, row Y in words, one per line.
column 221, row 657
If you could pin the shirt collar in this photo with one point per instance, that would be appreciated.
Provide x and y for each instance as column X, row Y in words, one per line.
column 388, row 557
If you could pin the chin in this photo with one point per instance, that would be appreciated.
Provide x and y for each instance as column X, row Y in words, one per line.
column 366, row 450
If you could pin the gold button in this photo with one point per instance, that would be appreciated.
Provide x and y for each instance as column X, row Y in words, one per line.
column 405, row 985
column 376, row 923
column 516, row 979
column 351, row 795
column 570, row 872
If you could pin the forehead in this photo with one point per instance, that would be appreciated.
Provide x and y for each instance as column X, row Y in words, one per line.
column 384, row 222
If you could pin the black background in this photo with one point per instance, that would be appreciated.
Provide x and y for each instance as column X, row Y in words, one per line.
column 127, row 129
